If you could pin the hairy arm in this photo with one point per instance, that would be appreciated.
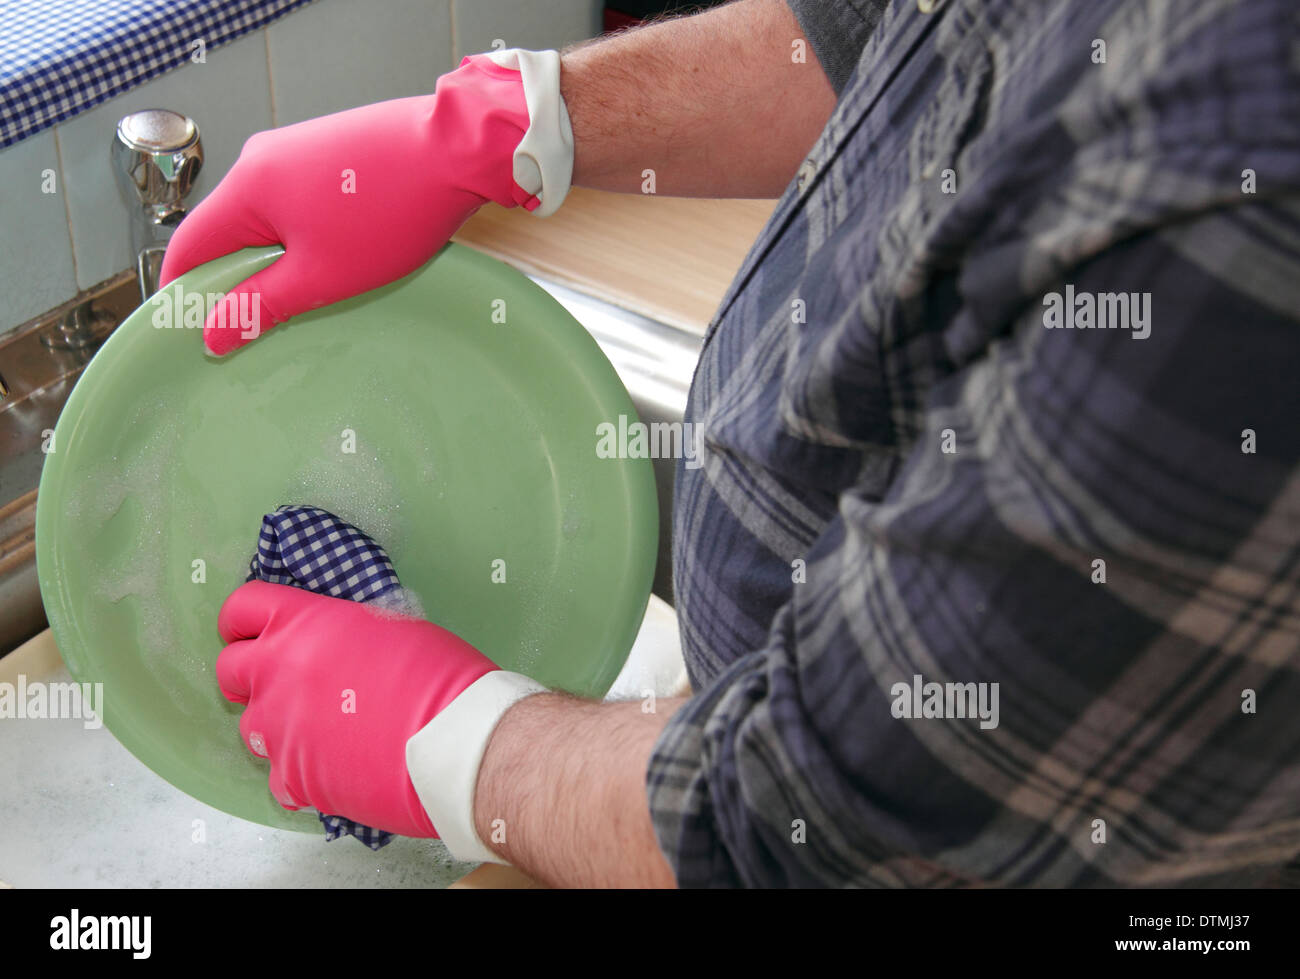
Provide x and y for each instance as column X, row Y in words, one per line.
column 716, row 103
column 717, row 106
column 562, row 792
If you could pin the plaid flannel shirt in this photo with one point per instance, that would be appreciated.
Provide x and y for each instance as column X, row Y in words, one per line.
column 917, row 463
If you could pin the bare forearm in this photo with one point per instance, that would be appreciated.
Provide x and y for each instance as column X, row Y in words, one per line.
column 716, row 104
column 561, row 792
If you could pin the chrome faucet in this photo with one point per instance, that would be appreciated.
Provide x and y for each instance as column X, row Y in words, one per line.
column 157, row 154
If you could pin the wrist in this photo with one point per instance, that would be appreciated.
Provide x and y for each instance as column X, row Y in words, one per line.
column 444, row 756
column 502, row 115
column 542, row 161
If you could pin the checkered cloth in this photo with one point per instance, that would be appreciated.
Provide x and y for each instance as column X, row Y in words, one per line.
column 59, row 59
column 310, row 548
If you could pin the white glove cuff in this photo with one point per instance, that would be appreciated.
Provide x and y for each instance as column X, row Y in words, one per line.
column 543, row 162
column 443, row 758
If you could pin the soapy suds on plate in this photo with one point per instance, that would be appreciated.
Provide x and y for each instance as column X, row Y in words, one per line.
column 353, row 486
column 131, row 488
column 145, row 571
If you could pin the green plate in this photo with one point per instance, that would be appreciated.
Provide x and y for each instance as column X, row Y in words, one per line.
column 473, row 463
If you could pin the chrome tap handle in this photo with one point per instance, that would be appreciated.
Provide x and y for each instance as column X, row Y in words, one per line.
column 157, row 154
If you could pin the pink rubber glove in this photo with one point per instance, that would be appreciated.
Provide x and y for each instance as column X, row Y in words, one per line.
column 363, row 197
column 293, row 657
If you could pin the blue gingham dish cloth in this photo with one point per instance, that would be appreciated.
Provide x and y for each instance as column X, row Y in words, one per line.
column 59, row 59
column 310, row 548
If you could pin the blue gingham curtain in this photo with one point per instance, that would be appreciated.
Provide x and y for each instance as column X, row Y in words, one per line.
column 60, row 57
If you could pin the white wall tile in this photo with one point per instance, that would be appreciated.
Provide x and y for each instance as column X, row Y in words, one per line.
column 229, row 98
column 329, row 56
column 534, row 24
column 35, row 250
column 338, row 54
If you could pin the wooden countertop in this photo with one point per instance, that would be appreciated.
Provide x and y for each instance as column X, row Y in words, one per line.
column 670, row 258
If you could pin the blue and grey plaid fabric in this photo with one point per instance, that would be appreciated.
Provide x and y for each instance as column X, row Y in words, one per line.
column 905, row 473
column 312, row 549
column 59, row 59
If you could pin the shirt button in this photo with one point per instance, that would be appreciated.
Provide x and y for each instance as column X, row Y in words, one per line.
column 926, row 6
column 807, row 170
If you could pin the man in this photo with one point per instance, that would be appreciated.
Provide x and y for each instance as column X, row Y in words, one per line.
column 990, row 572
